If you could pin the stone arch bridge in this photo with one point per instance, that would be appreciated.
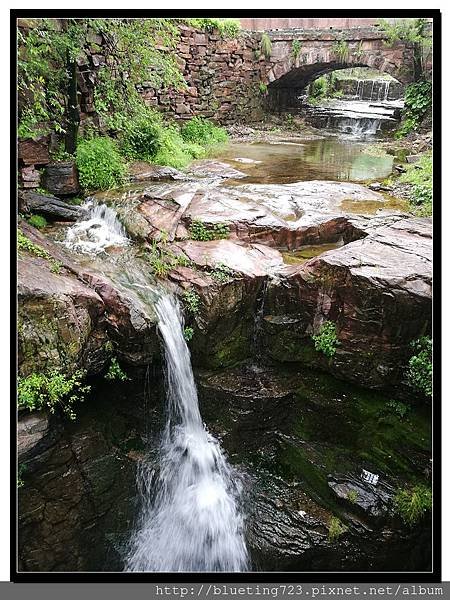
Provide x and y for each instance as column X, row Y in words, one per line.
column 299, row 56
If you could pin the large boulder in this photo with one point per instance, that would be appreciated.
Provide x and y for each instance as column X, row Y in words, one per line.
column 378, row 292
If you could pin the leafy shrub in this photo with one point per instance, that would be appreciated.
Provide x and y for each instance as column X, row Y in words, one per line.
column 266, row 45
column 141, row 137
column 52, row 390
column 418, row 102
column 99, row 163
column 420, row 366
column 203, row 132
column 200, row 232
column 188, row 333
column 229, row 28
column 37, row 221
column 412, row 504
column 319, row 87
column 335, row 529
column 115, row 372
column 326, row 340
column 420, row 177
column 191, row 301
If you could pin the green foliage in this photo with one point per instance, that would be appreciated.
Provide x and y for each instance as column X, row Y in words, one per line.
column 222, row 274
column 203, row 132
column 262, row 88
column 115, row 372
column 318, row 88
column 22, row 469
column 341, row 49
column 419, row 176
column 147, row 136
column 323, row 87
column 200, row 232
column 398, row 408
column 188, row 333
column 420, row 366
column 52, row 390
column 266, row 45
column 37, row 221
column 412, row 504
column 296, row 48
column 407, row 30
column 335, row 529
column 162, row 260
column 25, row 244
column 99, row 163
column 359, row 52
column 191, row 301
column 227, row 28
column 418, row 103
column 326, row 340
column 352, row 496
column 142, row 134
column 135, row 51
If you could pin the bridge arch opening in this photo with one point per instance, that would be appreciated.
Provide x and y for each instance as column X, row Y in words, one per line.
column 357, row 100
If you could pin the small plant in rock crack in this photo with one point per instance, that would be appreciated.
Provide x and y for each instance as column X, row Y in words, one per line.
column 37, row 221
column 191, row 301
column 199, row 231
column 22, row 469
column 296, row 49
column 352, row 496
column 326, row 340
column 412, row 504
column 52, row 390
column 335, row 529
column 420, row 366
column 115, row 372
column 398, row 408
column 266, row 45
column 222, row 274
column 188, row 333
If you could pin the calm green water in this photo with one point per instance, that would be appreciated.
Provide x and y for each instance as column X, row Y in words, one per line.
column 291, row 160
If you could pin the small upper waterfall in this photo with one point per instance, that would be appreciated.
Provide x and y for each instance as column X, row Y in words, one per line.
column 189, row 519
column 100, row 229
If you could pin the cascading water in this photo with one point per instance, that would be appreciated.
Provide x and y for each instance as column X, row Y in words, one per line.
column 190, row 520
column 100, row 229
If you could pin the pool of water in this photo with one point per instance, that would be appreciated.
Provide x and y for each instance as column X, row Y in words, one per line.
column 290, row 160
column 297, row 257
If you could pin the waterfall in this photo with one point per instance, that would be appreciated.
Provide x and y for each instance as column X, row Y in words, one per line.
column 189, row 519
column 100, row 229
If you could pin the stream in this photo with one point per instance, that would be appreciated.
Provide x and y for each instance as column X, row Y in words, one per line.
column 241, row 468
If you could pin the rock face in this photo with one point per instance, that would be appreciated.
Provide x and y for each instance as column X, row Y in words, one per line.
column 77, row 502
column 50, row 206
column 378, row 292
column 65, row 318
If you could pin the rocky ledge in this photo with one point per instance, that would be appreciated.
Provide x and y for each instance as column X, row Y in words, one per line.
column 376, row 287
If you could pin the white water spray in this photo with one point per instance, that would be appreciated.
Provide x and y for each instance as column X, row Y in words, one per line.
column 189, row 519
column 100, row 230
